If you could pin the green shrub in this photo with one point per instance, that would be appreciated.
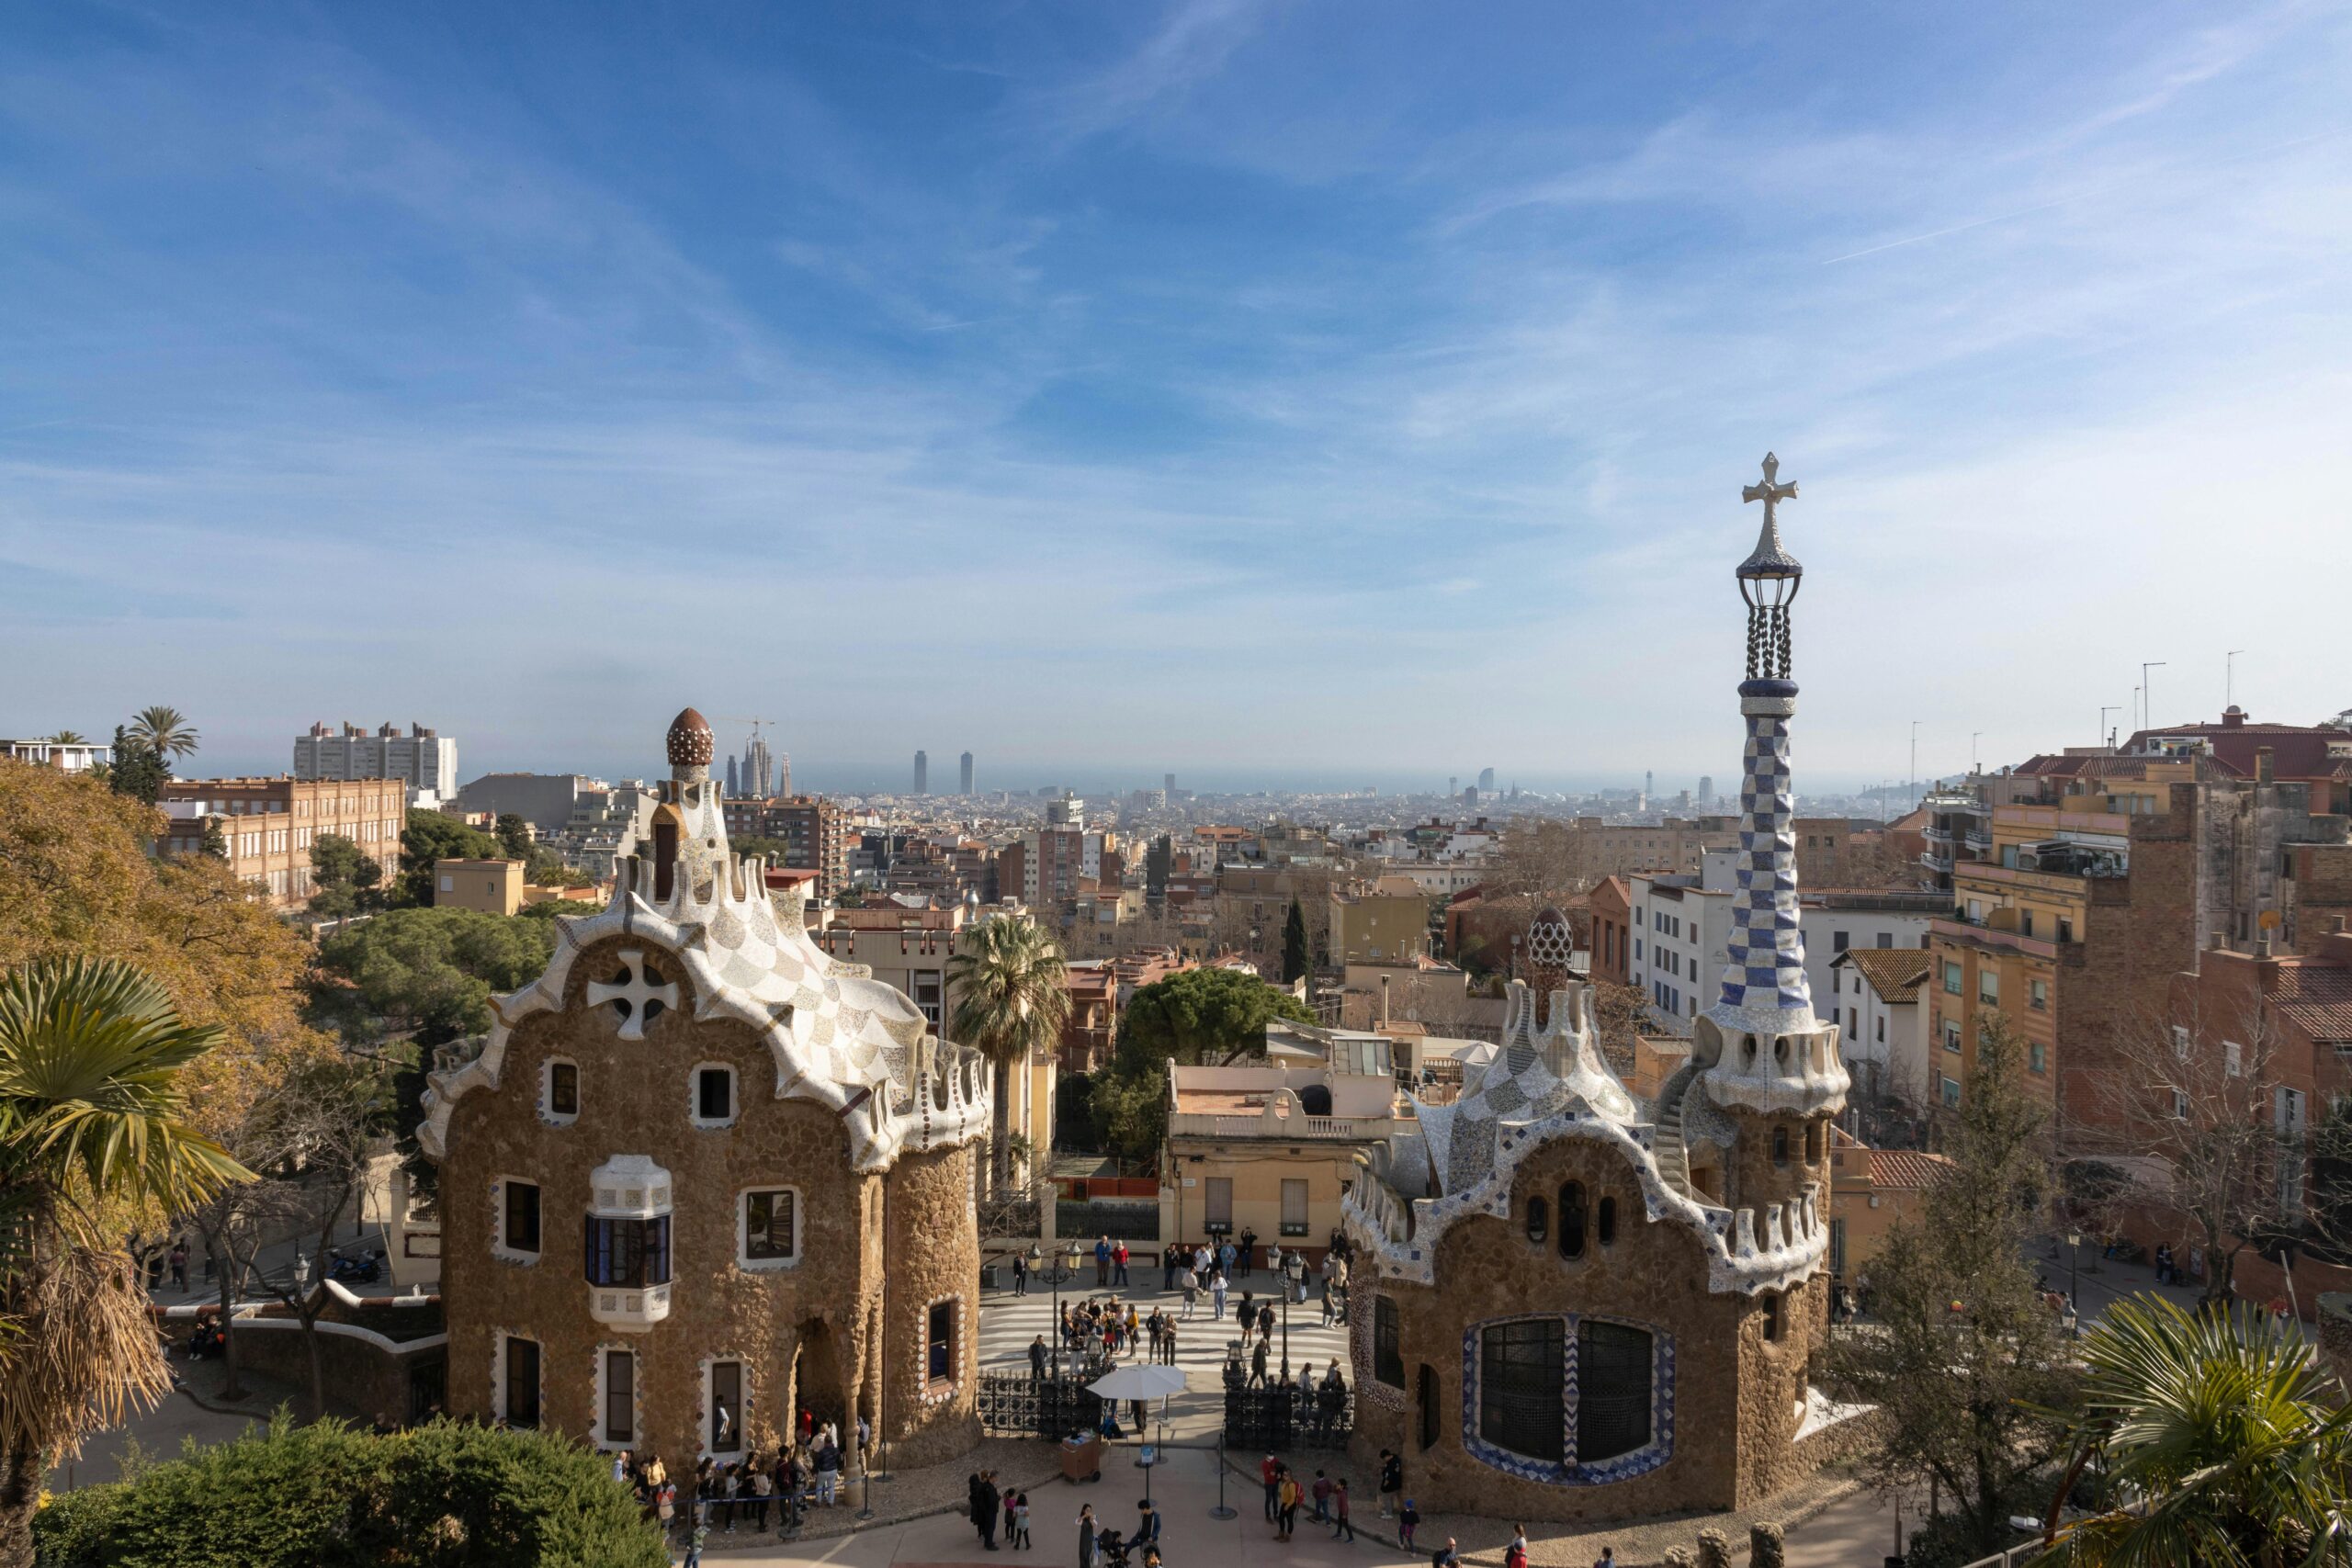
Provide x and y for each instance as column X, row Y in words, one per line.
column 330, row 1495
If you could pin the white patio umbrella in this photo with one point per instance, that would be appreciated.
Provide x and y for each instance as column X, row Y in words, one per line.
column 1140, row 1380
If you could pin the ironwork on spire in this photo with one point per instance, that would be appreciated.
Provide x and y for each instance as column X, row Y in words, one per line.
column 1769, row 579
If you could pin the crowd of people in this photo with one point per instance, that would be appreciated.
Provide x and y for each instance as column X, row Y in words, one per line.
column 800, row 1473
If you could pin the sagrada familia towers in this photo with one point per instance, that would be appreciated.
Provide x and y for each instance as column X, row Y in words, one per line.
column 1570, row 1305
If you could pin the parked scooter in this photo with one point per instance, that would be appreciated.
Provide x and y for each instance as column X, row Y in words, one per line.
column 365, row 1268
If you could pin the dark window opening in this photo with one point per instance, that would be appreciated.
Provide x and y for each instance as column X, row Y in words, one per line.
column 714, row 1094
column 620, row 1396
column 940, row 1337
column 1387, row 1365
column 767, row 1225
column 1316, row 1099
column 522, row 1382
column 1521, row 1381
column 1612, row 1390
column 522, row 1217
column 563, row 1090
column 666, row 858
column 1572, row 1220
column 726, row 1407
column 632, row 1253
column 1813, row 1142
column 1606, row 1222
column 1538, row 1220
column 1780, row 1145
column 1433, row 1418
column 1772, row 1325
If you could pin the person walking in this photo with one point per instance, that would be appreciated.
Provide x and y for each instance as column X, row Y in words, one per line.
column 1270, row 1475
column 1341, row 1523
column 1257, row 1364
column 1446, row 1556
column 695, row 1539
column 1515, row 1555
column 1020, row 1274
column 1102, row 1261
column 1216, row 1296
column 179, row 1266
column 1330, row 1309
column 1190, row 1283
column 1406, row 1523
column 762, row 1488
column 1266, row 1320
column 1321, row 1492
column 1168, row 1342
column 1147, row 1525
column 1021, row 1520
column 1037, row 1357
column 1086, row 1535
column 829, row 1472
column 1392, row 1481
column 1119, row 1264
column 1608, row 1558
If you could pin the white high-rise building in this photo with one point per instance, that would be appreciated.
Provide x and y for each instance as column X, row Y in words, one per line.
column 422, row 759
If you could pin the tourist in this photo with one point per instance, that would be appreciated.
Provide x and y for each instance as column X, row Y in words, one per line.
column 1406, row 1523
column 1020, row 1274
column 1248, row 1245
column 1147, row 1523
column 1288, row 1517
column 746, row 1496
column 762, row 1488
column 1216, row 1295
column 1341, row 1523
column 179, row 1266
column 1330, row 1307
column 620, row 1465
column 1446, row 1556
column 1119, row 1264
column 1020, row 1517
column 986, row 1507
column 1392, row 1481
column 1608, row 1558
column 1257, row 1364
column 1248, row 1315
column 1151, row 1557
column 1321, row 1492
column 828, row 1470
column 1102, row 1261
column 1225, row 1258
column 1190, row 1283
column 1037, row 1357
column 1167, row 1343
column 1515, row 1555
column 695, row 1538
column 1266, row 1320
column 1170, row 1259
column 1085, row 1533
column 665, row 1504
column 1270, row 1475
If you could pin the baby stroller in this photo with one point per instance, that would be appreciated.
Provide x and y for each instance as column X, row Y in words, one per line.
column 1112, row 1548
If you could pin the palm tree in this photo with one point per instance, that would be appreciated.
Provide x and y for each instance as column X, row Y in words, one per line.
column 68, row 738
column 164, row 730
column 90, row 1127
column 1007, row 978
column 2221, row 1440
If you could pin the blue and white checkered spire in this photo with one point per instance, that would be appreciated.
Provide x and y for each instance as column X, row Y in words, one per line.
column 1764, row 988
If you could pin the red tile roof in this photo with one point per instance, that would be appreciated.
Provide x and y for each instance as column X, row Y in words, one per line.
column 1895, row 973
column 1906, row 1167
column 2318, row 998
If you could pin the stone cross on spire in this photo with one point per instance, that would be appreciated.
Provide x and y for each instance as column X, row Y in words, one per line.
column 1770, row 492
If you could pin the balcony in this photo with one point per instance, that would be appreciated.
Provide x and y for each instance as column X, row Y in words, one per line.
column 1935, row 835
column 1935, row 863
column 1980, row 841
column 1291, row 1130
column 1987, row 939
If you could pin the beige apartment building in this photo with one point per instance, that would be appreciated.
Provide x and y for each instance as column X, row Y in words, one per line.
column 1387, row 923
column 1269, row 1150
column 269, row 825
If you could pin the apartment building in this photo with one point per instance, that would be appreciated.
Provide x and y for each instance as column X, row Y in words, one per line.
column 425, row 759
column 1874, row 996
column 1388, row 922
column 815, row 833
column 270, row 824
column 66, row 756
column 1269, row 1150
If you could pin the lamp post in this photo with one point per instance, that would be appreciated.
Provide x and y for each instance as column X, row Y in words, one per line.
column 1294, row 1266
column 2074, row 1281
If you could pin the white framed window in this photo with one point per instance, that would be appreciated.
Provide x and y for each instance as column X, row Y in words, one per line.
column 515, row 1380
column 2180, row 1041
column 2179, row 1105
column 2233, row 1058
column 767, row 1228
column 515, row 1219
column 559, row 1091
column 619, row 1397
column 1294, row 1215
column 712, row 1091
column 726, row 1392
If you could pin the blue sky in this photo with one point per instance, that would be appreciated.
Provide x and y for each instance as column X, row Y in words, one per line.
column 1347, row 393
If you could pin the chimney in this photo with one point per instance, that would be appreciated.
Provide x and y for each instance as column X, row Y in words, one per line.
column 2263, row 759
column 1384, row 1001
column 2262, row 945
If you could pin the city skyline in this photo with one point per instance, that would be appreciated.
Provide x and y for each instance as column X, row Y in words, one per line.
column 2039, row 308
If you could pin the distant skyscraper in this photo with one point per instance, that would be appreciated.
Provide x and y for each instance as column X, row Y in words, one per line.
column 922, row 772
column 1454, row 785
column 1706, row 791
column 1169, row 783
column 968, row 773
column 1650, row 784
column 1486, row 781
column 734, row 782
column 422, row 759
column 758, row 776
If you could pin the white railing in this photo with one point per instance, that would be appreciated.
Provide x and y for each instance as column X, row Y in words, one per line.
column 1358, row 1129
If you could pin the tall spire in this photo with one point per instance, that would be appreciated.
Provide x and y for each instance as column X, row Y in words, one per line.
column 1764, row 986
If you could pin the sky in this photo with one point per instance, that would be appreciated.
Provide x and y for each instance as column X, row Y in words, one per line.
column 1309, row 394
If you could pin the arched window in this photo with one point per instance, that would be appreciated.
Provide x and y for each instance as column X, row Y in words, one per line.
column 1605, row 1222
column 1780, row 1145
column 1432, row 1413
column 1613, row 1369
column 1772, row 1326
column 1572, row 1219
column 1813, row 1143
column 1538, row 1216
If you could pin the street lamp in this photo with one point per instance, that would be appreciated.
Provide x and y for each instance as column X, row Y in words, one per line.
column 2073, row 1284
column 1293, row 1267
